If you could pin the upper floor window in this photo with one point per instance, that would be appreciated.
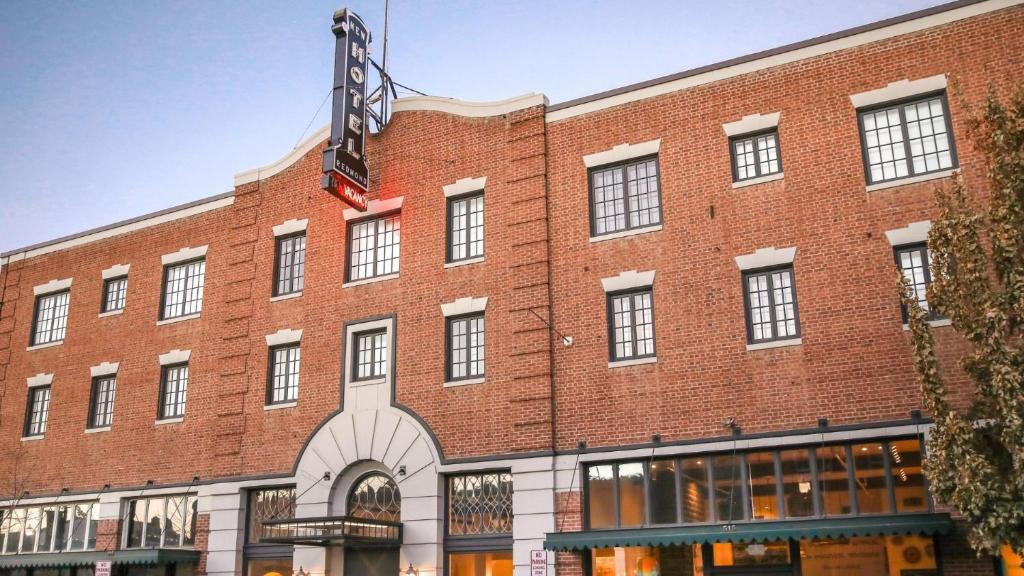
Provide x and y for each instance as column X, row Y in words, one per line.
column 625, row 196
column 465, row 347
column 371, row 355
column 37, row 415
column 115, row 291
column 755, row 155
column 374, row 247
column 161, row 522
column 631, row 324
column 101, row 405
column 51, row 317
column 173, row 389
column 283, row 385
column 183, row 289
column 907, row 139
column 61, row 527
column 466, row 227
column 914, row 262
column 480, row 504
column 771, row 308
column 290, row 271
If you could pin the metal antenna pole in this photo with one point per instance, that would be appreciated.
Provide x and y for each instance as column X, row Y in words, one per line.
column 384, row 66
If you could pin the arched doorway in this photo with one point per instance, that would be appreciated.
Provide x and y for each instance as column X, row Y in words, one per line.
column 375, row 496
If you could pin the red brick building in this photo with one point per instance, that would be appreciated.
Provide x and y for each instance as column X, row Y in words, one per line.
column 653, row 330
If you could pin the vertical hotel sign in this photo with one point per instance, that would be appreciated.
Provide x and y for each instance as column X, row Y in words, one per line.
column 346, row 174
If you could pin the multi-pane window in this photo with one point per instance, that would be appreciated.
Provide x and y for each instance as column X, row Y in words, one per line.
column 284, row 374
column 63, row 527
column 625, row 196
column 907, row 139
column 755, row 155
column 373, row 247
column 38, row 411
column 631, row 324
column 914, row 262
column 290, row 271
column 173, row 388
column 371, row 355
column 466, row 227
column 183, row 289
column 51, row 317
column 375, row 497
column 101, row 407
column 115, row 291
column 771, row 305
column 465, row 347
column 269, row 504
column 480, row 504
column 161, row 522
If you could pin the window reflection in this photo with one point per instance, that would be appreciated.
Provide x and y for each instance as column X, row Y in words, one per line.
column 663, row 492
column 907, row 476
column 641, row 561
column 834, row 480
column 631, row 494
column 694, row 474
column 797, row 488
column 600, row 500
column 869, row 470
column 728, row 477
column 870, row 556
column 764, row 498
column 751, row 553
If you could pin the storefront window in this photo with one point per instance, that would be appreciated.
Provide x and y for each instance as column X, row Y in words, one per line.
column 694, row 472
column 728, row 477
column 869, row 469
column 764, row 497
column 270, row 567
column 32, row 529
column 663, row 492
column 265, row 559
column 480, row 564
column 797, row 485
column 631, row 494
column 751, row 553
column 152, row 522
column 600, row 499
column 834, row 480
column 908, row 476
column 633, row 561
column 873, row 556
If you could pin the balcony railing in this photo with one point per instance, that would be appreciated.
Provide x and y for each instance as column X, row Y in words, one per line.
column 322, row 531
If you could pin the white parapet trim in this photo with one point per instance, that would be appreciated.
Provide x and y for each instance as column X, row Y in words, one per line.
column 628, row 280
column 52, row 286
column 752, row 123
column 766, row 257
column 175, row 357
column 914, row 233
column 104, row 369
column 899, row 90
column 621, row 153
column 465, row 185
column 115, row 271
column 290, row 227
column 183, row 255
column 467, row 305
column 374, row 207
column 318, row 138
column 40, row 380
column 284, row 336
column 468, row 109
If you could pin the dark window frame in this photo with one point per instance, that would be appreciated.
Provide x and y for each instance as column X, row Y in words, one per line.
column 29, row 413
column 164, row 371
column 899, row 105
column 271, row 374
column 471, row 543
column 450, row 226
column 105, row 298
column 278, row 244
column 93, row 401
column 355, row 355
column 260, row 550
column 448, row 360
column 350, row 230
column 33, row 335
column 163, row 288
column 610, row 317
column 771, row 306
column 757, row 163
column 625, row 198
column 926, row 264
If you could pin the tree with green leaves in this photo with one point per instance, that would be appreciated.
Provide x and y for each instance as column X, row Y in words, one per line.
column 976, row 454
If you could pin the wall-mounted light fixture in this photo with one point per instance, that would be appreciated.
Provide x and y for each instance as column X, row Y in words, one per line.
column 410, row 571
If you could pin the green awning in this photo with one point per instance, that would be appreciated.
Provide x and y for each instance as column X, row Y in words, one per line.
column 60, row 559
column 818, row 528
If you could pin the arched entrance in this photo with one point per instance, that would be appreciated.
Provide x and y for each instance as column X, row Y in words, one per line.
column 374, row 497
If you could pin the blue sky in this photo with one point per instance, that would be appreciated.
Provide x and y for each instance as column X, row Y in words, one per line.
column 112, row 109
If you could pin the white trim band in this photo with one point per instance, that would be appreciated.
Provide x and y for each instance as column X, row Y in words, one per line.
column 622, row 152
column 632, row 362
column 911, row 180
column 465, row 185
column 290, row 227
column 775, row 344
column 104, row 369
column 183, row 255
column 758, row 180
column 115, row 271
column 175, row 357
column 285, row 161
column 899, row 90
column 374, row 207
column 52, row 286
column 765, row 257
column 915, row 233
column 627, row 280
column 468, row 109
column 40, row 380
column 462, row 306
column 284, row 336
column 752, row 123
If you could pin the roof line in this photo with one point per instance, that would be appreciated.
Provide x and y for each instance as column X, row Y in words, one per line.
column 766, row 53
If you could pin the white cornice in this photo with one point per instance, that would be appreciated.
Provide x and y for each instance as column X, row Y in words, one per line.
column 290, row 227
column 104, row 368
column 899, row 90
column 183, row 255
column 464, row 185
column 175, row 357
column 752, row 123
column 40, row 380
column 468, row 109
column 318, row 137
column 284, row 336
column 462, row 306
column 52, row 286
column 766, row 257
column 628, row 280
column 622, row 152
column 374, row 207
column 115, row 271
column 915, row 233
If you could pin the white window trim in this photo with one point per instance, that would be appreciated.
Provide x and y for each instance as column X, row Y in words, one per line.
column 52, row 286
column 628, row 280
column 175, row 420
column 104, row 369
column 111, row 313
column 752, row 123
column 280, row 405
column 284, row 336
column 621, row 153
column 914, row 233
column 30, row 438
column 465, row 186
column 373, row 208
column 115, row 271
column 290, row 227
column 370, row 280
column 40, row 380
column 288, row 296
column 388, row 325
column 47, row 345
column 910, row 180
column 178, row 319
column 95, row 430
column 899, row 90
column 933, row 323
column 462, row 306
column 465, row 262
column 775, row 344
column 465, row 382
column 632, row 362
column 758, row 180
column 766, row 258
column 184, row 254
column 625, row 233
column 175, row 357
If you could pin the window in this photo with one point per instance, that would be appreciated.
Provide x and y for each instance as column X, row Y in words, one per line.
column 375, row 497
column 68, row 526
column 38, row 412
column 101, row 405
column 283, row 385
column 465, row 347
column 373, row 247
column 478, row 540
column 466, row 227
column 914, row 261
column 907, row 139
column 771, row 305
column 269, row 504
column 631, row 325
column 371, row 355
column 290, row 268
column 755, row 155
column 497, row 563
column 173, row 387
column 114, row 292
column 183, row 289
column 161, row 522
column 51, row 317
column 625, row 197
